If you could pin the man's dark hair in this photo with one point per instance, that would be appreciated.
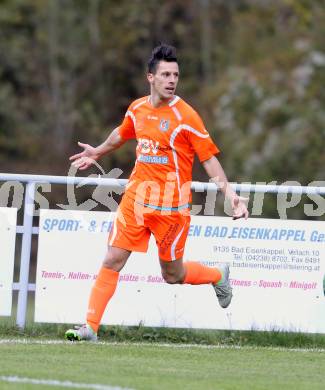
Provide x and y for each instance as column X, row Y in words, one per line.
column 162, row 52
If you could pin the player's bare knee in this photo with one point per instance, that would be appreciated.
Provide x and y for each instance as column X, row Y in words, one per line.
column 172, row 278
column 115, row 258
column 109, row 264
column 109, row 260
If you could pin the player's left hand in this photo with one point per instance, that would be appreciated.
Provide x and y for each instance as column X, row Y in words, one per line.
column 239, row 207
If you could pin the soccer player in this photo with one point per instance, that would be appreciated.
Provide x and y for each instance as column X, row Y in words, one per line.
column 169, row 132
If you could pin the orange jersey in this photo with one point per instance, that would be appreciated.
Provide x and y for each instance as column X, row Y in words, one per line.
column 168, row 138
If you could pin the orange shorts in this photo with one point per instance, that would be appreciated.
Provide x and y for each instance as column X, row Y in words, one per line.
column 134, row 224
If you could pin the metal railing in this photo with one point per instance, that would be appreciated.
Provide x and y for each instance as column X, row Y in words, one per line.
column 27, row 229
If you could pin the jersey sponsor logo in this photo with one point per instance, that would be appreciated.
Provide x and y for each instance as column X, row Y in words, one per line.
column 164, row 124
column 147, row 145
column 153, row 118
column 164, row 148
column 153, row 159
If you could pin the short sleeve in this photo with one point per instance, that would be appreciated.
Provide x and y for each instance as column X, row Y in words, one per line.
column 200, row 139
column 126, row 129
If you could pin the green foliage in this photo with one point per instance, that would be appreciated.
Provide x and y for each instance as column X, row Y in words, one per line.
column 254, row 70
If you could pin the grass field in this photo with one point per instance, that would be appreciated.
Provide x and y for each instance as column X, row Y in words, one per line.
column 159, row 366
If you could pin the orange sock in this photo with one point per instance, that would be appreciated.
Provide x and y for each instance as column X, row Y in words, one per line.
column 101, row 293
column 197, row 273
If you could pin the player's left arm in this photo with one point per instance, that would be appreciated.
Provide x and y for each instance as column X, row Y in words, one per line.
column 215, row 171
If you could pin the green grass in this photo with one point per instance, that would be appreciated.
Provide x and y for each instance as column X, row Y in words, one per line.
column 160, row 367
column 239, row 359
column 140, row 333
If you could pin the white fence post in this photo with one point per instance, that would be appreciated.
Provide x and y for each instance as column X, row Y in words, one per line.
column 25, row 255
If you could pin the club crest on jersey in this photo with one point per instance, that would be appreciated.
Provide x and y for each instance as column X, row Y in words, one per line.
column 164, row 124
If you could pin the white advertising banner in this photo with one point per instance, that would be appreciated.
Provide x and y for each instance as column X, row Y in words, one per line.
column 8, row 221
column 277, row 273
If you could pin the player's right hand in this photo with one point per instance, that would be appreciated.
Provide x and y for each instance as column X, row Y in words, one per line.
column 239, row 207
column 86, row 158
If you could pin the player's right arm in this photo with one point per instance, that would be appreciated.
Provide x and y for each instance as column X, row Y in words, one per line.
column 117, row 138
column 91, row 154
